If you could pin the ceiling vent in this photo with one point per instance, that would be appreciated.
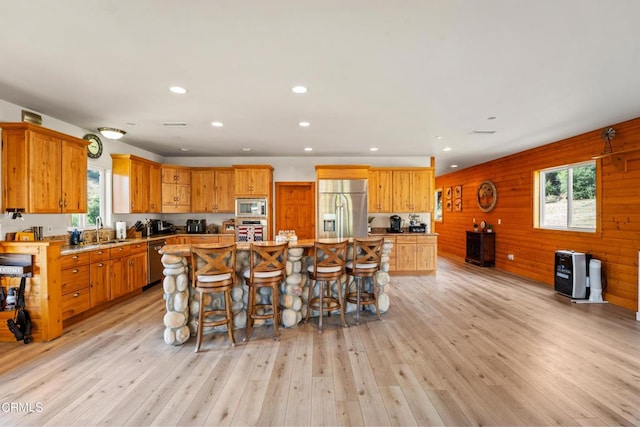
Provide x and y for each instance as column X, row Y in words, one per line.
column 483, row 132
column 175, row 124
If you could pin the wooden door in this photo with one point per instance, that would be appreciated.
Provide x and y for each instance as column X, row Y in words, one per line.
column 225, row 191
column 295, row 208
column 137, row 270
column 139, row 187
column 45, row 176
column 421, row 191
column 202, row 195
column 401, row 190
column 119, row 277
column 100, row 275
column 74, row 177
column 155, row 190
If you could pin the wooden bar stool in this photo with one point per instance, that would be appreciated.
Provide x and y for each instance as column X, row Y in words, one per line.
column 266, row 269
column 213, row 268
column 366, row 262
column 328, row 266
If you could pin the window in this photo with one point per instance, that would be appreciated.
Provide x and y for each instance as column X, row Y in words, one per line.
column 567, row 197
column 96, row 199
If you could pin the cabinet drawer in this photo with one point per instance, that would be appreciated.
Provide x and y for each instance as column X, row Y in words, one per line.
column 75, row 278
column 136, row 248
column 427, row 239
column 406, row 239
column 70, row 261
column 76, row 302
column 120, row 251
column 100, row 255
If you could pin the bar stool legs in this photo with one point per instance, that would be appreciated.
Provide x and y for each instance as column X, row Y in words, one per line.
column 324, row 302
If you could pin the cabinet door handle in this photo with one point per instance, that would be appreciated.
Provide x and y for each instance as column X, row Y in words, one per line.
column 75, row 270
column 101, row 265
column 76, row 295
column 75, row 257
column 60, row 202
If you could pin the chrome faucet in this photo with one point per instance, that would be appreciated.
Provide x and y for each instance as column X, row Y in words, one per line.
column 99, row 225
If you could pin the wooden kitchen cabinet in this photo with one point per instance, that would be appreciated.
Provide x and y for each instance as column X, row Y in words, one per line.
column 176, row 189
column 136, row 184
column 380, row 186
column 253, row 180
column 413, row 190
column 75, row 285
column 100, row 276
column 138, row 267
column 120, row 271
column 212, row 190
column 43, row 171
column 416, row 254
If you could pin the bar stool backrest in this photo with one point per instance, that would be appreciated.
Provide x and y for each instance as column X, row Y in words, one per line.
column 267, row 261
column 329, row 259
column 367, row 255
column 213, row 263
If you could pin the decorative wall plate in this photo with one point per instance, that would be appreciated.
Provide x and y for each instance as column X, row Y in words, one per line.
column 487, row 196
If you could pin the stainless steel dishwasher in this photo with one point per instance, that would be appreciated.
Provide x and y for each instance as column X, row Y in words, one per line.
column 154, row 258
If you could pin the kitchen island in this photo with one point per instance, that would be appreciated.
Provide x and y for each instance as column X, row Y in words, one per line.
column 182, row 303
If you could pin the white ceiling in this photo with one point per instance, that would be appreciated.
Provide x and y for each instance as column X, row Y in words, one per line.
column 390, row 74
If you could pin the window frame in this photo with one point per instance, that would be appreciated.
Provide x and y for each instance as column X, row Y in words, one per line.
column 539, row 194
column 105, row 192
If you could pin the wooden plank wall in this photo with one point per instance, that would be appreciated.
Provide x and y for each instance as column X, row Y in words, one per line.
column 618, row 238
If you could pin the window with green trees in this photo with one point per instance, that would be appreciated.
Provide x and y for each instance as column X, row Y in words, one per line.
column 568, row 197
column 95, row 199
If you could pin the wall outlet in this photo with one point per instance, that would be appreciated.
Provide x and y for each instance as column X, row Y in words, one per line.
column 510, row 257
column 49, row 228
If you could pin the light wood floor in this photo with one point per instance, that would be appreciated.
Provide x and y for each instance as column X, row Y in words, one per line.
column 468, row 346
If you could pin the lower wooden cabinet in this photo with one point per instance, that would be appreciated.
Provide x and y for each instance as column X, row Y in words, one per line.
column 93, row 278
column 416, row 254
column 75, row 286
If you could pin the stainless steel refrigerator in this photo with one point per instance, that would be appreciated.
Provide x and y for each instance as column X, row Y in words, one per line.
column 342, row 208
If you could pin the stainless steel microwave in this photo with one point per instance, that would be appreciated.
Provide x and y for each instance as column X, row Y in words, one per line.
column 251, row 208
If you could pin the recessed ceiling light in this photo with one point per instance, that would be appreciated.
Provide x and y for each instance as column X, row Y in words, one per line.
column 373, row 149
column 491, row 118
column 178, row 89
column 308, row 149
column 217, row 124
column 304, row 124
column 130, row 123
column 185, row 149
column 246, row 149
column 438, row 137
column 299, row 89
column 446, row 149
column 454, row 166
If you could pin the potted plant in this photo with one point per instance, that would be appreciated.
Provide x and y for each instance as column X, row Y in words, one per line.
column 489, row 228
column 475, row 227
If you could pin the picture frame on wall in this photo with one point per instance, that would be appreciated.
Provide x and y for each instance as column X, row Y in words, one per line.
column 438, row 205
column 448, row 193
column 449, row 205
column 457, row 191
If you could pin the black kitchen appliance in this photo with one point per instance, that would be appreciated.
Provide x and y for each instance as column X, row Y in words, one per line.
column 196, row 226
column 161, row 227
column 396, row 224
column 418, row 228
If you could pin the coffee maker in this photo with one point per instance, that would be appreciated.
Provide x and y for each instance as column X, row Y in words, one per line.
column 396, row 224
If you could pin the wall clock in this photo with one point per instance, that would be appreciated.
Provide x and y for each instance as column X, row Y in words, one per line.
column 487, row 196
column 94, row 149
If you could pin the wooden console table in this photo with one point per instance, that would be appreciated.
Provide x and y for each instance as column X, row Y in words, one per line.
column 481, row 248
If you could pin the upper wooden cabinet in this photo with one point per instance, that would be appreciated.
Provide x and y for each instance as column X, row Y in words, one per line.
column 212, row 190
column 176, row 189
column 136, row 184
column 380, row 181
column 413, row 190
column 253, row 180
column 43, row 171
